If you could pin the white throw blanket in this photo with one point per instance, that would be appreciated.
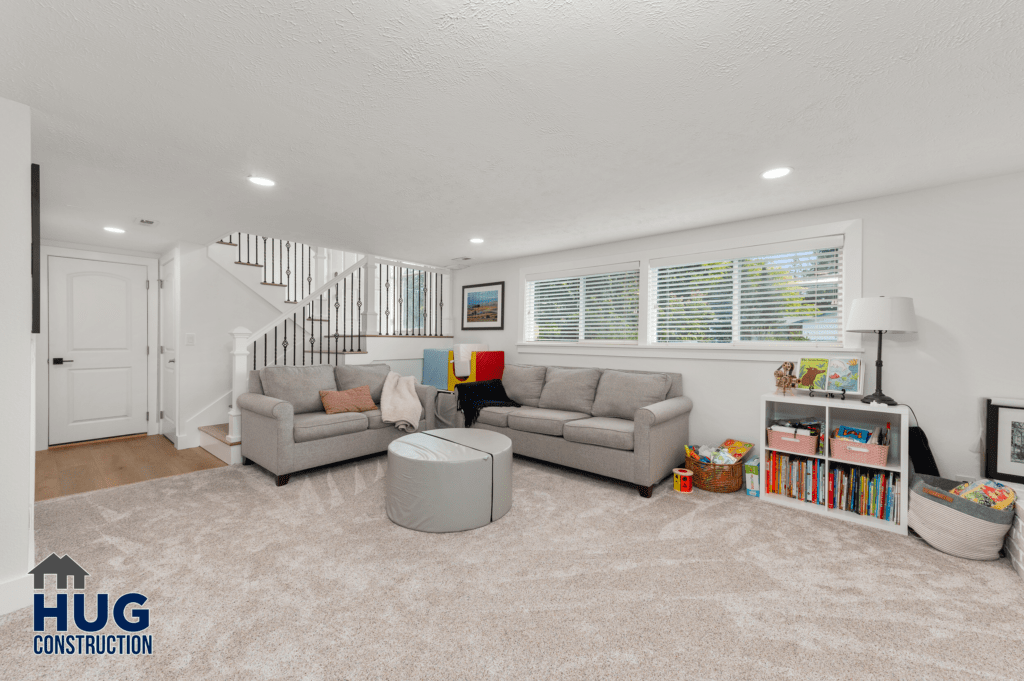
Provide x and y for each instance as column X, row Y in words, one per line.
column 399, row 403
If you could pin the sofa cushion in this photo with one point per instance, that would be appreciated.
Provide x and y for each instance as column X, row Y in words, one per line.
column 569, row 389
column 353, row 376
column 621, row 393
column 299, row 385
column 600, row 431
column 496, row 416
column 543, row 421
column 308, row 427
column 340, row 401
column 376, row 421
column 524, row 383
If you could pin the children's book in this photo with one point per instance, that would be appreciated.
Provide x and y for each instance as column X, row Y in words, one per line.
column 813, row 374
column 843, row 374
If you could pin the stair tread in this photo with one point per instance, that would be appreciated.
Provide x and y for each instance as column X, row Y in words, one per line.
column 250, row 264
column 219, row 432
column 268, row 283
column 227, row 243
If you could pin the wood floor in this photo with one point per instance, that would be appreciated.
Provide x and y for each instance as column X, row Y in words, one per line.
column 87, row 467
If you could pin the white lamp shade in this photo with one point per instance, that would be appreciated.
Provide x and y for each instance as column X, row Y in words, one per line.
column 895, row 315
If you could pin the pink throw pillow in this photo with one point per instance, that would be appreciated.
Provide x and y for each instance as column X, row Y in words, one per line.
column 339, row 401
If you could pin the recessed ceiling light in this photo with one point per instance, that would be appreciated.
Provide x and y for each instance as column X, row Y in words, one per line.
column 476, row 241
column 261, row 181
column 115, row 230
column 776, row 173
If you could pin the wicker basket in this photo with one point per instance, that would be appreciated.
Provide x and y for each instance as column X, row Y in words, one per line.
column 856, row 452
column 716, row 477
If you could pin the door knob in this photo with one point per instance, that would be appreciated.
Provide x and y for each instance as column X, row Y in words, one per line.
column 61, row 360
column 170, row 361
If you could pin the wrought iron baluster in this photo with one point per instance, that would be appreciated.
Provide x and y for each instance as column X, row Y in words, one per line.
column 275, row 346
column 285, row 344
column 440, row 305
column 309, row 276
column 288, row 271
column 254, row 355
column 359, row 310
column 337, row 315
column 387, row 299
column 239, row 247
column 321, row 317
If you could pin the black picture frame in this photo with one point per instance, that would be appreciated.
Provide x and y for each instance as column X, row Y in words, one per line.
column 468, row 325
column 36, row 255
column 992, row 425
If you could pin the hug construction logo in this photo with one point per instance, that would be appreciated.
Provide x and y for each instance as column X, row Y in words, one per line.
column 130, row 620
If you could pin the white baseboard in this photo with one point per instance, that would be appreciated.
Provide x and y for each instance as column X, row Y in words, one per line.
column 15, row 594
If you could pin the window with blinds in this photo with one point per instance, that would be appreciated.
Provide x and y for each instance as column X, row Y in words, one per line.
column 790, row 297
column 598, row 306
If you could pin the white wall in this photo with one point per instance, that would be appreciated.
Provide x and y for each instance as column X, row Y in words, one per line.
column 212, row 304
column 17, row 346
column 956, row 250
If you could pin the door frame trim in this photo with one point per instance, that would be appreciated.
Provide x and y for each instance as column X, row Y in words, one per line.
column 43, row 343
column 173, row 255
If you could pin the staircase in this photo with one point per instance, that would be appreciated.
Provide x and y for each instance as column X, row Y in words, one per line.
column 369, row 301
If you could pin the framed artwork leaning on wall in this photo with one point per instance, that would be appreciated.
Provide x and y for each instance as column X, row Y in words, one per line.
column 483, row 306
column 1004, row 440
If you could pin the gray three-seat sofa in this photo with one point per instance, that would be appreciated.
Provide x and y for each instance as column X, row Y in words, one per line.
column 628, row 425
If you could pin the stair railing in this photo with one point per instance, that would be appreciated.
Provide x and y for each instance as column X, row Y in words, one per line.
column 319, row 330
column 285, row 263
column 410, row 299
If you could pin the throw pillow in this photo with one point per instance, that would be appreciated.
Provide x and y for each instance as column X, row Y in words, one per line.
column 353, row 376
column 524, row 383
column 339, row 401
column 621, row 393
column 569, row 389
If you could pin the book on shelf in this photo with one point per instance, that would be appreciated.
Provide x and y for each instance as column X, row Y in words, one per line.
column 796, row 477
column 865, row 491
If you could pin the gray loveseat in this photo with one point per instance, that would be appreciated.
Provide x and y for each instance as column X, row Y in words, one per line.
column 628, row 425
column 285, row 428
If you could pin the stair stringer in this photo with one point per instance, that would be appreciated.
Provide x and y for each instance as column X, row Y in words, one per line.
column 252, row 277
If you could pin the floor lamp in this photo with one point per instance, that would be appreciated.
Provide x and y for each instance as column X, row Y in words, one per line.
column 881, row 315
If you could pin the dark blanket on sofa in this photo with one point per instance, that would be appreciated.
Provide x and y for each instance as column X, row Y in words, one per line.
column 475, row 396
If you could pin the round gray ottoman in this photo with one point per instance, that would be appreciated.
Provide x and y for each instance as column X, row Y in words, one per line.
column 449, row 480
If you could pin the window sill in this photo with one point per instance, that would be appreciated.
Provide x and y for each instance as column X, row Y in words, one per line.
column 737, row 354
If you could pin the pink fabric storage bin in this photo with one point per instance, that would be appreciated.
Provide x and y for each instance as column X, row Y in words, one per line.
column 857, row 452
column 796, row 444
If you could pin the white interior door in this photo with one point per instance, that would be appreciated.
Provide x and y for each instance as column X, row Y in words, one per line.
column 97, row 362
column 169, row 352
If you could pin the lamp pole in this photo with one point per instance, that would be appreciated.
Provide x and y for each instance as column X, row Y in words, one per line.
column 878, row 395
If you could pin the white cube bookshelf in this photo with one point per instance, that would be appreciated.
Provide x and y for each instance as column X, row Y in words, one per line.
column 833, row 412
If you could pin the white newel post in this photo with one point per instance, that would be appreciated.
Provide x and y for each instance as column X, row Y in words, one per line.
column 370, row 299
column 239, row 380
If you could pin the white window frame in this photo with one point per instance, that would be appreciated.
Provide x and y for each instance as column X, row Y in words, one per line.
column 850, row 230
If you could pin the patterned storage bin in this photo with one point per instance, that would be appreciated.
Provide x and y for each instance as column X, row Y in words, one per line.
column 793, row 444
column 858, row 452
column 955, row 525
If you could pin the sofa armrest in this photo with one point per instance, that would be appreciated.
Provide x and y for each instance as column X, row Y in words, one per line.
column 660, row 412
column 428, row 398
column 263, row 405
column 661, row 432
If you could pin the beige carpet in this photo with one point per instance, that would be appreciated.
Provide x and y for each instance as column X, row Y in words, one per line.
column 583, row 579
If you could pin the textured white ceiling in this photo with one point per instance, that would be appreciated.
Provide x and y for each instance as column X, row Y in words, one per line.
column 405, row 128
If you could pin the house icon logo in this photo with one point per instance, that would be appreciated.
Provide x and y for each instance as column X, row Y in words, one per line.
column 62, row 567
column 97, row 638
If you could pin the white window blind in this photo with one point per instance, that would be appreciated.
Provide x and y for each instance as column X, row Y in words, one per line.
column 791, row 297
column 594, row 307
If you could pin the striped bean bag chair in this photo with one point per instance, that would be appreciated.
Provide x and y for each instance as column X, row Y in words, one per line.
column 953, row 524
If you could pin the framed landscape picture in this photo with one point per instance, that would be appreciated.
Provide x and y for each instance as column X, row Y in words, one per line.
column 1004, row 440
column 483, row 306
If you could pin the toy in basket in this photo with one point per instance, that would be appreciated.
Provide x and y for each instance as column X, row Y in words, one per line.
column 718, row 469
